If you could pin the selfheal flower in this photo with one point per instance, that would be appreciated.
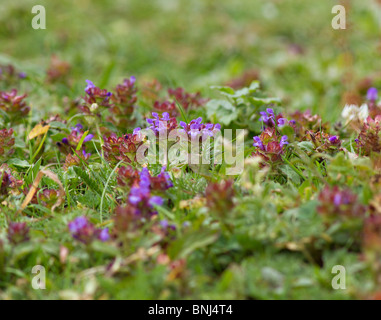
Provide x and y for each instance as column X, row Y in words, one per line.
column 372, row 94
column 282, row 122
column 90, row 85
column 18, row 232
column 85, row 232
column 269, row 146
column 258, row 143
column 88, row 138
column 71, row 142
column 187, row 100
column 333, row 139
column 104, row 235
column 283, row 141
column 341, row 203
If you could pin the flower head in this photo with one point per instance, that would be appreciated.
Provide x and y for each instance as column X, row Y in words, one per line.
column 372, row 94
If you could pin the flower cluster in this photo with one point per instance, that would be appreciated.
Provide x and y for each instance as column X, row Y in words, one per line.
column 85, row 232
column 324, row 142
column 163, row 125
column 219, row 197
column 140, row 195
column 124, row 101
column 374, row 106
column 187, row 100
column 269, row 119
column 18, row 232
column 9, row 74
column 142, row 187
column 14, row 105
column 197, row 129
column 334, row 202
column 368, row 140
column 304, row 122
column 122, row 148
column 270, row 145
column 94, row 98
column 58, row 70
column 7, row 141
column 7, row 181
column 70, row 143
column 353, row 113
column 166, row 107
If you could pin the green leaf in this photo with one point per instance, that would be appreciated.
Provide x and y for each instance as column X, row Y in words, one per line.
column 223, row 110
column 19, row 163
column 185, row 245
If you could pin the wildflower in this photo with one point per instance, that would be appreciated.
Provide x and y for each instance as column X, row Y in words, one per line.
column 7, row 141
column 166, row 106
column 58, row 70
column 95, row 95
column 70, row 143
column 85, row 232
column 162, row 125
column 267, row 117
column 219, row 197
column 269, row 146
column 14, row 105
column 124, row 101
column 8, row 182
column 75, row 159
column 354, row 113
column 282, row 122
column 303, row 122
column 334, row 202
column 244, row 80
column 368, row 140
column 372, row 94
column 197, row 129
column 122, row 148
column 127, row 176
column 323, row 142
column 18, row 232
column 187, row 100
column 49, row 197
column 140, row 195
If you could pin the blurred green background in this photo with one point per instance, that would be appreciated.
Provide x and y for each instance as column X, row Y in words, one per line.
column 198, row 43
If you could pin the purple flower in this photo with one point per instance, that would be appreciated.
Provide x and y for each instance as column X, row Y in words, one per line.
column 267, row 117
column 283, row 141
column 372, row 94
column 258, row 142
column 166, row 176
column 77, row 224
column 337, row 199
column 88, row 138
column 65, row 141
column 156, row 200
column 22, row 75
column 334, row 139
column 90, row 85
column 164, row 223
column 132, row 79
column 282, row 122
column 86, row 155
column 104, row 235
